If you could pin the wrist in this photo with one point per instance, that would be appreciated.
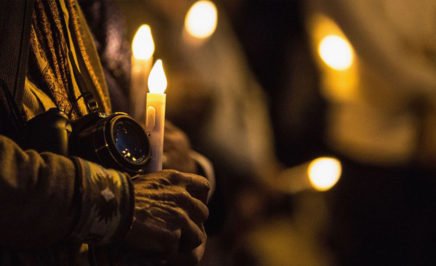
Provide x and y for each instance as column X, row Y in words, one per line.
column 128, row 212
column 105, row 204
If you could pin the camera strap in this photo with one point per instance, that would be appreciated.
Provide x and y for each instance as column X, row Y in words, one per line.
column 91, row 103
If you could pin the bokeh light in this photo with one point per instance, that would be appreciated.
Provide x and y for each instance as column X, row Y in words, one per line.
column 202, row 19
column 336, row 52
column 324, row 173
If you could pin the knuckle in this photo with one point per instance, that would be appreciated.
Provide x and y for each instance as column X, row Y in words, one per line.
column 206, row 186
column 182, row 215
column 169, row 172
column 184, row 197
column 201, row 180
column 205, row 213
column 153, row 184
column 164, row 182
column 182, row 139
column 172, row 175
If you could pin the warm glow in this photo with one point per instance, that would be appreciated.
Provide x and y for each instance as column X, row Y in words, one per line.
column 324, row 173
column 336, row 58
column 157, row 81
column 143, row 44
column 201, row 19
column 336, row 52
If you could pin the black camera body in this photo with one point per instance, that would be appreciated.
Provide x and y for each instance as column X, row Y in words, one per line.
column 113, row 140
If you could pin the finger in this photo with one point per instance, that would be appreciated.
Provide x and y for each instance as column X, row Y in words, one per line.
column 169, row 143
column 179, row 197
column 151, row 183
column 199, row 190
column 173, row 159
column 192, row 234
column 154, row 237
column 164, row 160
column 175, row 135
column 169, row 126
column 195, row 208
column 174, row 217
column 196, row 185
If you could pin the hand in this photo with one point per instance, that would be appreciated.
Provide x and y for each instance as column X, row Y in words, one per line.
column 177, row 149
column 169, row 214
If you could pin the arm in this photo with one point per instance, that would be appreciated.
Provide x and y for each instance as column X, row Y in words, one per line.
column 45, row 197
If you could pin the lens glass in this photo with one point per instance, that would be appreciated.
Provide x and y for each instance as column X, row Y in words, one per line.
column 131, row 141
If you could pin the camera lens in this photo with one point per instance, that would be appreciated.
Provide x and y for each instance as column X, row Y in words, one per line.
column 114, row 141
column 130, row 141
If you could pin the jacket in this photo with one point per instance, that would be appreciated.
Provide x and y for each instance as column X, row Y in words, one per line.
column 54, row 209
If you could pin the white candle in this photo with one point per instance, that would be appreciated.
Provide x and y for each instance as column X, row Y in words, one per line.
column 142, row 59
column 155, row 115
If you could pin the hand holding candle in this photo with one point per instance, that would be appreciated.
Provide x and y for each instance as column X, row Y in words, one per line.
column 155, row 114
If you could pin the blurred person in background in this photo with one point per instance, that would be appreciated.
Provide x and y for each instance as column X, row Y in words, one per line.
column 274, row 39
column 375, row 65
column 377, row 61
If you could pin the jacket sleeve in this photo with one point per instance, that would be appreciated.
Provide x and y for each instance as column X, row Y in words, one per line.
column 46, row 198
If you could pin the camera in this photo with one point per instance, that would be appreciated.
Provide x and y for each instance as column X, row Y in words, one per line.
column 113, row 140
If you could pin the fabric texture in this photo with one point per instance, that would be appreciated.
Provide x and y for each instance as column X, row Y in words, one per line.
column 54, row 207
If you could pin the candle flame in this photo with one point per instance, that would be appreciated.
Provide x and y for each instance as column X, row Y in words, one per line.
column 201, row 19
column 157, row 81
column 324, row 173
column 143, row 44
column 336, row 52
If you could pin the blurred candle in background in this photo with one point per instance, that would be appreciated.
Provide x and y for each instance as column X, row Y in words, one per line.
column 320, row 174
column 324, row 173
column 336, row 58
column 155, row 114
column 336, row 52
column 200, row 21
column 142, row 59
